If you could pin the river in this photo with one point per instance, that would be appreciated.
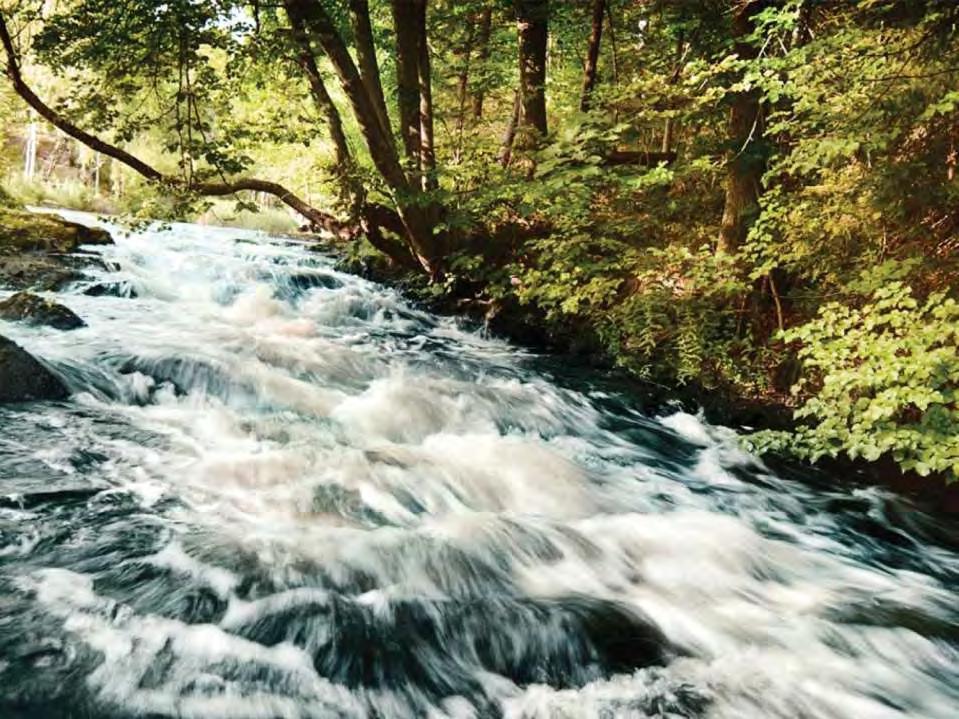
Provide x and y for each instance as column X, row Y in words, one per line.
column 278, row 490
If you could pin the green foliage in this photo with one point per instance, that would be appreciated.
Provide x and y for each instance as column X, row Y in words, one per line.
column 71, row 194
column 880, row 379
column 857, row 135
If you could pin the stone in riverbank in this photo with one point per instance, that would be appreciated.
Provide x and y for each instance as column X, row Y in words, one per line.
column 35, row 249
column 22, row 231
column 23, row 378
column 34, row 310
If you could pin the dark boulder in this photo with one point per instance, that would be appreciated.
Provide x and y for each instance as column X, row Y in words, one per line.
column 34, row 310
column 309, row 280
column 24, row 378
column 111, row 289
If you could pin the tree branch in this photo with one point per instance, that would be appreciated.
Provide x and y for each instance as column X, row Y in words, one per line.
column 318, row 218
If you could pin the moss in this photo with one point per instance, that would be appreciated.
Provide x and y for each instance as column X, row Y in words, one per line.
column 34, row 310
column 28, row 232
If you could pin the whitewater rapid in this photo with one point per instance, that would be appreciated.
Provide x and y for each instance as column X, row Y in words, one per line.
column 279, row 490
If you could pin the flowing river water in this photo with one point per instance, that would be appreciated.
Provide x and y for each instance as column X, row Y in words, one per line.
column 278, row 490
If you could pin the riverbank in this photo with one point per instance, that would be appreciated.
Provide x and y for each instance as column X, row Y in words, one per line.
column 365, row 509
column 575, row 342
column 39, row 252
column 42, row 251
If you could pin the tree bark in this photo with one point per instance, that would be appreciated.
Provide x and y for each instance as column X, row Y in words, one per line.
column 482, row 56
column 465, row 53
column 320, row 219
column 509, row 133
column 669, row 127
column 592, row 54
column 408, row 79
column 745, row 162
column 424, row 73
column 416, row 217
column 366, row 57
column 344, row 166
column 532, row 19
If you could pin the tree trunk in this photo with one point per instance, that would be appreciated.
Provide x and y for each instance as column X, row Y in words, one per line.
column 408, row 79
column 482, row 56
column 462, row 87
column 532, row 18
column 592, row 54
column 344, row 167
column 509, row 134
column 669, row 127
column 745, row 159
column 427, row 146
column 416, row 217
column 614, row 51
column 366, row 57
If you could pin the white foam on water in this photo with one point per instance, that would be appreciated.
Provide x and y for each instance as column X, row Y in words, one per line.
column 340, row 443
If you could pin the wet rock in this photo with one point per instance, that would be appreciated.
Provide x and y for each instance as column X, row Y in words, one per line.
column 111, row 289
column 30, row 271
column 309, row 280
column 59, row 497
column 34, row 310
column 36, row 251
column 31, row 232
column 23, row 378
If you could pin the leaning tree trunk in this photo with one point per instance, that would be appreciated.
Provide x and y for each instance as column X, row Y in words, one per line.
column 745, row 161
column 416, row 217
column 532, row 18
column 350, row 189
column 592, row 54
column 366, row 58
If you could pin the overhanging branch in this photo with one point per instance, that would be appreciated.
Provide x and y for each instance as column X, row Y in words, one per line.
column 318, row 218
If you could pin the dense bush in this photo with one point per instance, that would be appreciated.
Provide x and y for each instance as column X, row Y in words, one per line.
column 880, row 379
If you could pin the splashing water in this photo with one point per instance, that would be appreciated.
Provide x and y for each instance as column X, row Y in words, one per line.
column 279, row 491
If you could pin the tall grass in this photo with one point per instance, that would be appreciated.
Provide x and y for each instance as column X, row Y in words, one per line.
column 70, row 194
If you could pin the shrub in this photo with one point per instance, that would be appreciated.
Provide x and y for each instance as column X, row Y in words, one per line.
column 879, row 380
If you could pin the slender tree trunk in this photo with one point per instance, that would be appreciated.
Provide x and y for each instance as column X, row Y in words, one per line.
column 482, row 56
column 592, row 54
column 366, row 57
column 416, row 217
column 427, row 142
column 745, row 161
column 532, row 18
column 30, row 151
column 614, row 49
column 670, row 125
column 509, row 134
column 344, row 167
